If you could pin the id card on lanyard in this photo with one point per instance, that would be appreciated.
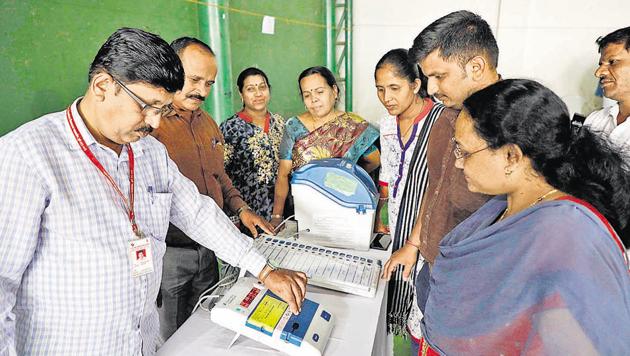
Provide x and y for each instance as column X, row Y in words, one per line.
column 139, row 246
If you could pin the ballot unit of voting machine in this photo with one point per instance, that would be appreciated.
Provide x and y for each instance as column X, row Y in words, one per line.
column 325, row 267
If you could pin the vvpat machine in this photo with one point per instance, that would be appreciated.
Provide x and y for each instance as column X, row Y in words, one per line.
column 335, row 203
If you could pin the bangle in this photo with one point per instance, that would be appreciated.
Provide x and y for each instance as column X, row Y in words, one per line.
column 381, row 198
column 412, row 244
column 242, row 208
column 276, row 216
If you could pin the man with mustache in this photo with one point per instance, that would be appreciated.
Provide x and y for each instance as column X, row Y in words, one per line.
column 195, row 143
column 614, row 77
column 85, row 193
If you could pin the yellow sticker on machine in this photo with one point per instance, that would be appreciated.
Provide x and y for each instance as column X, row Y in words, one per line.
column 267, row 313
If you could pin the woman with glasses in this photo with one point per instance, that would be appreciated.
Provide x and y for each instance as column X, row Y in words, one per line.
column 252, row 137
column 539, row 269
column 321, row 132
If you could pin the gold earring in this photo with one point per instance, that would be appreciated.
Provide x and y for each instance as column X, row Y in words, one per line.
column 507, row 171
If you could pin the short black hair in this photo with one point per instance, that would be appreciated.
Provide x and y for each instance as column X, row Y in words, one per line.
column 399, row 59
column 461, row 34
column 247, row 72
column 323, row 71
column 621, row 35
column 132, row 55
column 181, row 43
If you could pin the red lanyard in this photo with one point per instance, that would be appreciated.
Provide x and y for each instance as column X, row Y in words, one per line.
column 128, row 205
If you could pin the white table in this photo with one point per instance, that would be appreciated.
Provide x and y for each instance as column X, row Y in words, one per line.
column 360, row 327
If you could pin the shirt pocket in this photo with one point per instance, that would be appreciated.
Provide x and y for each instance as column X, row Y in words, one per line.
column 159, row 214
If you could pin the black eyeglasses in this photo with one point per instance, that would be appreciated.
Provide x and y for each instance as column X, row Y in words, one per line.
column 459, row 154
column 147, row 110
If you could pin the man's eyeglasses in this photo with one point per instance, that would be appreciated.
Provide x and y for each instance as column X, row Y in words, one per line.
column 146, row 108
column 459, row 154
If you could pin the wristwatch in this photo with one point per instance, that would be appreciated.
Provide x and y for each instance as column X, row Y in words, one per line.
column 273, row 265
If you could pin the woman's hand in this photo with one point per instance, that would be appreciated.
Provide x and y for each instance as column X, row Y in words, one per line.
column 406, row 256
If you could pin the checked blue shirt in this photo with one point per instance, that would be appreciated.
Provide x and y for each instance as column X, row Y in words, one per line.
column 66, row 286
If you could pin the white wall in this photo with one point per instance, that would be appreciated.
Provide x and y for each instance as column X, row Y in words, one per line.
column 551, row 41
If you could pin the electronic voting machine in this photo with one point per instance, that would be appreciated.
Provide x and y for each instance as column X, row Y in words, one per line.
column 250, row 309
column 335, row 203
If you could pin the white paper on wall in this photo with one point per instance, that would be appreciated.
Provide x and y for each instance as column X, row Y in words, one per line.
column 269, row 25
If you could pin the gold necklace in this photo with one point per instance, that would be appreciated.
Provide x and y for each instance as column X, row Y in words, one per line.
column 538, row 200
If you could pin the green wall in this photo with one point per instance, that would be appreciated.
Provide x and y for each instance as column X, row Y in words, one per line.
column 46, row 46
column 293, row 48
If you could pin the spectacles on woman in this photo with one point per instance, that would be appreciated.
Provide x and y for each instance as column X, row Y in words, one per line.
column 461, row 154
column 147, row 109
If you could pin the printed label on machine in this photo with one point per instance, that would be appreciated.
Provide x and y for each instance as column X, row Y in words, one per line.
column 267, row 313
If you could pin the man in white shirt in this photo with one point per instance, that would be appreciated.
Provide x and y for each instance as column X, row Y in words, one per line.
column 84, row 193
column 614, row 77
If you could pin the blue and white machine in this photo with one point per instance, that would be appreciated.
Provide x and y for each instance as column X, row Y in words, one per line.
column 335, row 203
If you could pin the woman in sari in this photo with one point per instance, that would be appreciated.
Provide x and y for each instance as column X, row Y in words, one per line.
column 404, row 134
column 252, row 138
column 321, row 132
column 539, row 269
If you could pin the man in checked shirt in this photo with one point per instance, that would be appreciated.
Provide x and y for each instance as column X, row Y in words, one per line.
column 91, row 179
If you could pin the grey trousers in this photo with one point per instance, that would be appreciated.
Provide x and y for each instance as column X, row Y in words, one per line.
column 185, row 275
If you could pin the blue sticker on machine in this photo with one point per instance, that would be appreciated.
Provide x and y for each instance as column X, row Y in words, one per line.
column 295, row 329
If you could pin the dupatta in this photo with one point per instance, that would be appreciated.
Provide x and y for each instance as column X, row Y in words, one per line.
column 549, row 280
column 346, row 136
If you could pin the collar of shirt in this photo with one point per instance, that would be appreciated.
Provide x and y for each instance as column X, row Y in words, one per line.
column 90, row 141
column 613, row 111
column 248, row 119
column 184, row 114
